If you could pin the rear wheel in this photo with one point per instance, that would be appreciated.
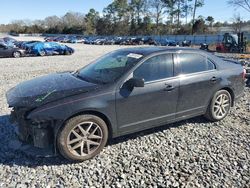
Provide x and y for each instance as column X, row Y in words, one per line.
column 219, row 106
column 16, row 54
column 82, row 137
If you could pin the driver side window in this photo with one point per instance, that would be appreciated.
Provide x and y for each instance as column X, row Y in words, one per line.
column 155, row 68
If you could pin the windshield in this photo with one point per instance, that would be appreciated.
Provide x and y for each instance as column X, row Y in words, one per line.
column 109, row 68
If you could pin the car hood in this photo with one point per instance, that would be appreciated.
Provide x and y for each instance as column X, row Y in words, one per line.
column 46, row 89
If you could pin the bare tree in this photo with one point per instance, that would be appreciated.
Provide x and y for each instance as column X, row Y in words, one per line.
column 52, row 21
column 237, row 23
column 245, row 4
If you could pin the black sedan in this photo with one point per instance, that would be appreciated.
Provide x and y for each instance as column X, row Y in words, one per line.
column 7, row 51
column 123, row 92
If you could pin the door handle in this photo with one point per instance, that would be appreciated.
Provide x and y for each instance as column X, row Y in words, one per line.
column 213, row 79
column 169, row 88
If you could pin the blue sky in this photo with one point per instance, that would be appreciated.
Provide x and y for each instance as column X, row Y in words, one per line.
column 35, row 9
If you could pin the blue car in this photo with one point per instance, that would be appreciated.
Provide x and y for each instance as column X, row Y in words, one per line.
column 27, row 45
column 50, row 48
column 166, row 42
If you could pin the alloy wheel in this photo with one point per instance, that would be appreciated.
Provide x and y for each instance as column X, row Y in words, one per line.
column 16, row 54
column 221, row 106
column 84, row 139
column 42, row 53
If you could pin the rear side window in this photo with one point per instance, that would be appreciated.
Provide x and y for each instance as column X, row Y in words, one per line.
column 192, row 63
column 156, row 68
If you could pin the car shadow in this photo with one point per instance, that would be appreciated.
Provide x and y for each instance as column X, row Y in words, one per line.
column 14, row 152
column 199, row 119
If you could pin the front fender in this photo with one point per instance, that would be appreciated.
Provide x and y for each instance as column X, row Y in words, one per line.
column 62, row 110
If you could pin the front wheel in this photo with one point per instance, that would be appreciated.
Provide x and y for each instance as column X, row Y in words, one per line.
column 82, row 137
column 67, row 52
column 42, row 53
column 219, row 106
column 16, row 54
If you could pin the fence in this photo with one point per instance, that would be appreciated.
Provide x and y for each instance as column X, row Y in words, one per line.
column 195, row 39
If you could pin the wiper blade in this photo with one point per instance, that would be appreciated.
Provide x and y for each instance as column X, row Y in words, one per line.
column 81, row 77
column 91, row 80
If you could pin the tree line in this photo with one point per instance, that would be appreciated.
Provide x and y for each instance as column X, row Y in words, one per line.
column 125, row 17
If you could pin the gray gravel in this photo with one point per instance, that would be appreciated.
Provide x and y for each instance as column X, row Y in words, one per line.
column 192, row 153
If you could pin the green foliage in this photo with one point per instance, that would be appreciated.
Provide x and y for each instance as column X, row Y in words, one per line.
column 199, row 26
column 91, row 20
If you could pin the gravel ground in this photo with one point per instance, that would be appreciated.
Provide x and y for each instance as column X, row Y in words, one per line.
column 191, row 153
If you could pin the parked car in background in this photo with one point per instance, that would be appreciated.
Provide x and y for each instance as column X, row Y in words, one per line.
column 49, row 39
column 28, row 44
column 89, row 40
column 166, row 42
column 8, row 51
column 123, row 92
column 59, row 39
column 150, row 41
column 14, row 34
column 99, row 41
column 186, row 43
column 8, row 41
column 50, row 48
column 75, row 39
column 115, row 40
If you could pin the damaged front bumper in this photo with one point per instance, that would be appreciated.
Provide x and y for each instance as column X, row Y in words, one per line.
column 38, row 134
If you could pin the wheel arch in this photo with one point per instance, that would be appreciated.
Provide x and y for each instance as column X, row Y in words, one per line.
column 230, row 91
column 91, row 112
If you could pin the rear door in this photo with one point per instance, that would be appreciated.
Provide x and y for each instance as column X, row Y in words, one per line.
column 198, row 81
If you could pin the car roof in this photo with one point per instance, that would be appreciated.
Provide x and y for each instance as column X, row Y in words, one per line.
column 145, row 51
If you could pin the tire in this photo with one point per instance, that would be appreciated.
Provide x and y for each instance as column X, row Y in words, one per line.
column 67, row 52
column 42, row 53
column 16, row 54
column 219, row 106
column 82, row 138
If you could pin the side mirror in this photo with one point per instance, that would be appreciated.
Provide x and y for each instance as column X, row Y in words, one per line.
column 136, row 82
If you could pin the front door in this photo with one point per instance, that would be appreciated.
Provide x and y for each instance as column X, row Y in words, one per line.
column 153, row 104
